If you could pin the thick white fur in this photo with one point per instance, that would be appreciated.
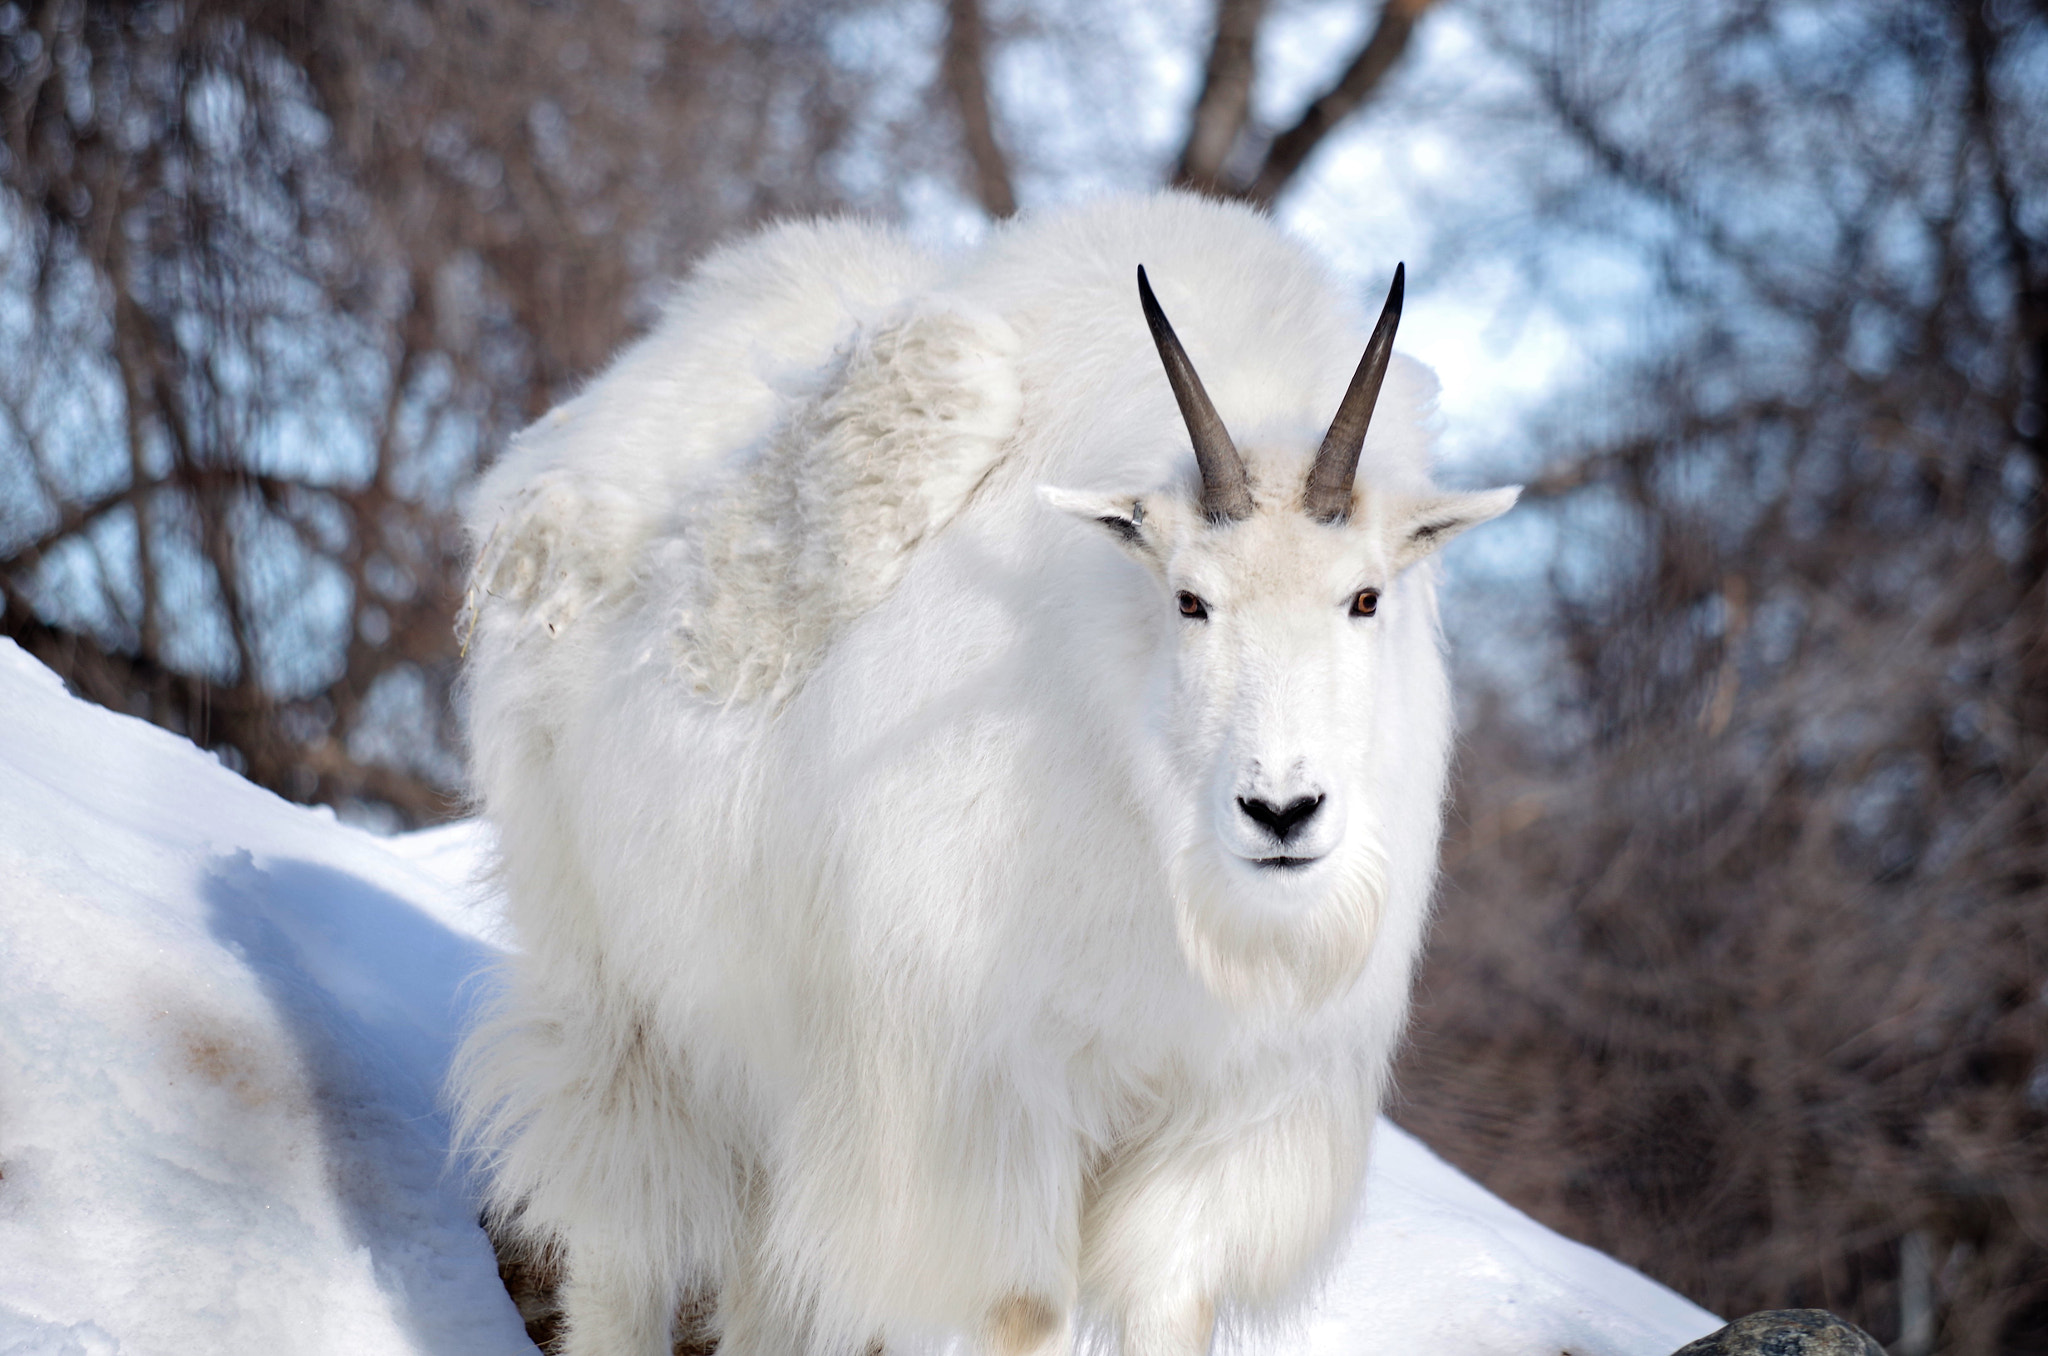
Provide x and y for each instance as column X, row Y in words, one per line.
column 882, row 968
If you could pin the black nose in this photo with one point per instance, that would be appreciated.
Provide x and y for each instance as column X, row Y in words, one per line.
column 1280, row 820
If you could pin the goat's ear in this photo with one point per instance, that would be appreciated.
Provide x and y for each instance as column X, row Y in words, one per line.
column 1122, row 516
column 1427, row 523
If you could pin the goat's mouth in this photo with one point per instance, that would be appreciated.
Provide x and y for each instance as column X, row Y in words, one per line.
column 1283, row 863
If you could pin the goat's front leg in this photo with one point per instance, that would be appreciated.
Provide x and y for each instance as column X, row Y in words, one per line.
column 1181, row 1325
column 1198, row 1215
column 617, row 1303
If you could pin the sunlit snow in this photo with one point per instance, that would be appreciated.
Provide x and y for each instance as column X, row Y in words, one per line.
column 223, row 1021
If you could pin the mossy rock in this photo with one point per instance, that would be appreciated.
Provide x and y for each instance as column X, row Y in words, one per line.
column 1786, row 1332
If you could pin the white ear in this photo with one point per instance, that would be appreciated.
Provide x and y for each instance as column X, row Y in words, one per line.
column 1430, row 522
column 1121, row 515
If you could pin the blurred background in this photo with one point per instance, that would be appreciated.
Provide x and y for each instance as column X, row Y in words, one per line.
column 1742, row 964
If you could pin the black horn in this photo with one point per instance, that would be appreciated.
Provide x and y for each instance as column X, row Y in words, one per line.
column 1328, row 497
column 1226, row 489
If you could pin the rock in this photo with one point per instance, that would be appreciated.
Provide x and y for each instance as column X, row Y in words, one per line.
column 1786, row 1332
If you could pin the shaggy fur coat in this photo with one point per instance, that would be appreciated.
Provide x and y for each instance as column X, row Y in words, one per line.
column 865, row 978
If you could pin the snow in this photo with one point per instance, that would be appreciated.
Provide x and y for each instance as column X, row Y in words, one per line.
column 223, row 1023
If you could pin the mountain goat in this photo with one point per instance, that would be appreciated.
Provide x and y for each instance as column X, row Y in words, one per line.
column 966, row 854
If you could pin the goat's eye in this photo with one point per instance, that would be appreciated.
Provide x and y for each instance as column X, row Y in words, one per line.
column 1193, row 607
column 1365, row 602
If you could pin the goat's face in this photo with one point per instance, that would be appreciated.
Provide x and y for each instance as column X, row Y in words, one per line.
column 1267, row 687
column 1281, row 587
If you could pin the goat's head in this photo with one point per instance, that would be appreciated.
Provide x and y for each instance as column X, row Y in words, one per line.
column 1278, row 585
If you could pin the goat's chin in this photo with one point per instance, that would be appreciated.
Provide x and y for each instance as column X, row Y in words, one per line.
column 1278, row 941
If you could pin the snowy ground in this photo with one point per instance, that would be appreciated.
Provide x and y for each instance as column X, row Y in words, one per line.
column 223, row 1020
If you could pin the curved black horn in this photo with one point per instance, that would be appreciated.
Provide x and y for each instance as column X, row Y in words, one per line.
column 1226, row 489
column 1328, row 497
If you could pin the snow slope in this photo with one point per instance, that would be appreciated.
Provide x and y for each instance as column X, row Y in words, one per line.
column 223, row 1019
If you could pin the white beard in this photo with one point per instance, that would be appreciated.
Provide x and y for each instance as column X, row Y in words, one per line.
column 1264, row 960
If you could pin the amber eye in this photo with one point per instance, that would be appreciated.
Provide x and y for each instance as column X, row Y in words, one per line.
column 1193, row 607
column 1365, row 602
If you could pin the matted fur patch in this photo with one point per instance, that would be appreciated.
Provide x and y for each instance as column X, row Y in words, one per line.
column 819, row 522
column 800, row 532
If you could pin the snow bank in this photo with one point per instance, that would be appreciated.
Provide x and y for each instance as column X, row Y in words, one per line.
column 223, row 1020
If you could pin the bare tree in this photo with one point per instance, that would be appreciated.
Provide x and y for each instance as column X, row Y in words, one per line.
column 283, row 273
column 966, row 75
column 1745, row 974
column 1361, row 80
column 1225, row 104
column 1221, row 121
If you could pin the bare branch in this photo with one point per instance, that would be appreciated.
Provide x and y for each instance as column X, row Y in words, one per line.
column 128, row 363
column 1226, row 97
column 2030, row 389
column 343, row 778
column 1360, row 81
column 965, row 72
column 1601, row 463
column 72, row 520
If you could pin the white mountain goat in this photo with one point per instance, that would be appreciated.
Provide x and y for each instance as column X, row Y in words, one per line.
column 966, row 854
